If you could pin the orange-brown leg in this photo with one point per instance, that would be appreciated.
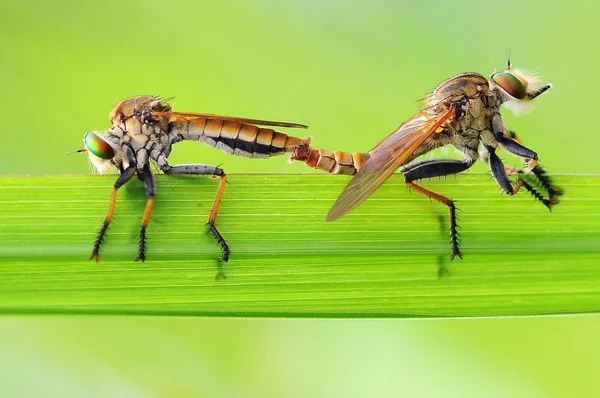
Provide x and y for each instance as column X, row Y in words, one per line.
column 125, row 176
column 212, row 217
column 203, row 169
column 428, row 168
column 452, row 215
column 150, row 184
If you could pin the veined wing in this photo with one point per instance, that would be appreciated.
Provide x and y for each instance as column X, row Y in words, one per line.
column 385, row 158
column 195, row 115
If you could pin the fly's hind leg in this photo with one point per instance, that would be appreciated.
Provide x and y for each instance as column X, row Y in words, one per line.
column 437, row 168
column 204, row 169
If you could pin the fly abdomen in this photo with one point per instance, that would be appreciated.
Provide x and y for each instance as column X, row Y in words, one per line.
column 334, row 162
column 236, row 138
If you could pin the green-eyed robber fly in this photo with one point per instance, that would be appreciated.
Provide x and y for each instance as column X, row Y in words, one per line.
column 463, row 111
column 143, row 131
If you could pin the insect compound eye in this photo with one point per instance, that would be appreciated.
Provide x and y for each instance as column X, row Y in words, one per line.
column 511, row 84
column 98, row 146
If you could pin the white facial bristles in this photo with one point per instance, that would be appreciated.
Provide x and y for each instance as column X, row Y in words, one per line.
column 530, row 80
column 519, row 107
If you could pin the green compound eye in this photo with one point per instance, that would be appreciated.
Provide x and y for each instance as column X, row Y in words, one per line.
column 510, row 84
column 98, row 146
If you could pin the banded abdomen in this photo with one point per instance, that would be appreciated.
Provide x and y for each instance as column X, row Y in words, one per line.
column 334, row 162
column 235, row 138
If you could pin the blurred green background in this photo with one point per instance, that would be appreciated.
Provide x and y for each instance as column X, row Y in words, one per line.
column 351, row 70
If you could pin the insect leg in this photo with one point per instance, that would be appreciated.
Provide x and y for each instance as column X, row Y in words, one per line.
column 530, row 159
column 125, row 176
column 546, row 183
column 204, row 169
column 513, row 145
column 541, row 174
column 428, row 168
column 499, row 173
column 150, row 191
column 452, row 211
column 516, row 148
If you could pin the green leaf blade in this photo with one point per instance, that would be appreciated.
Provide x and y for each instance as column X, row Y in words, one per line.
column 382, row 260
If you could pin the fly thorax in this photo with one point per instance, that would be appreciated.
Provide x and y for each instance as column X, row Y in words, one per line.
column 459, row 87
column 138, row 141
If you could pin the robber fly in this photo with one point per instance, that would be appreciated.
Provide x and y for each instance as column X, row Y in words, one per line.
column 144, row 129
column 464, row 111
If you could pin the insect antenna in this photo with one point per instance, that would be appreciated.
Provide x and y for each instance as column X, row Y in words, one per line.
column 77, row 151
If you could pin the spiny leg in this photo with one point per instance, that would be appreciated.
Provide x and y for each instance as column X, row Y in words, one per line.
column 546, row 183
column 125, row 176
column 498, row 170
column 499, row 173
column 452, row 216
column 150, row 184
column 212, row 217
column 514, row 145
column 203, row 169
column 537, row 170
column 429, row 168
column 542, row 180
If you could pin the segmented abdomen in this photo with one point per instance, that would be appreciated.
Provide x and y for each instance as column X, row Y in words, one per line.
column 235, row 138
column 336, row 162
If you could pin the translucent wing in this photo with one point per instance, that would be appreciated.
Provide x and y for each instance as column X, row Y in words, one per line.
column 385, row 158
column 195, row 115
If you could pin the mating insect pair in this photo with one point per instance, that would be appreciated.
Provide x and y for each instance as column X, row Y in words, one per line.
column 463, row 111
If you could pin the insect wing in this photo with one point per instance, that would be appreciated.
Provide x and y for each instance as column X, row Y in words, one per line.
column 196, row 115
column 385, row 158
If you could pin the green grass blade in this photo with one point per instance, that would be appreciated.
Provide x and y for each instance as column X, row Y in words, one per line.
column 382, row 260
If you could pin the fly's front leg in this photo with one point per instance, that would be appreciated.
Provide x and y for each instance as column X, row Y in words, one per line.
column 514, row 146
column 203, row 169
column 546, row 183
column 499, row 173
column 437, row 168
column 150, row 184
column 125, row 176
column 541, row 176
